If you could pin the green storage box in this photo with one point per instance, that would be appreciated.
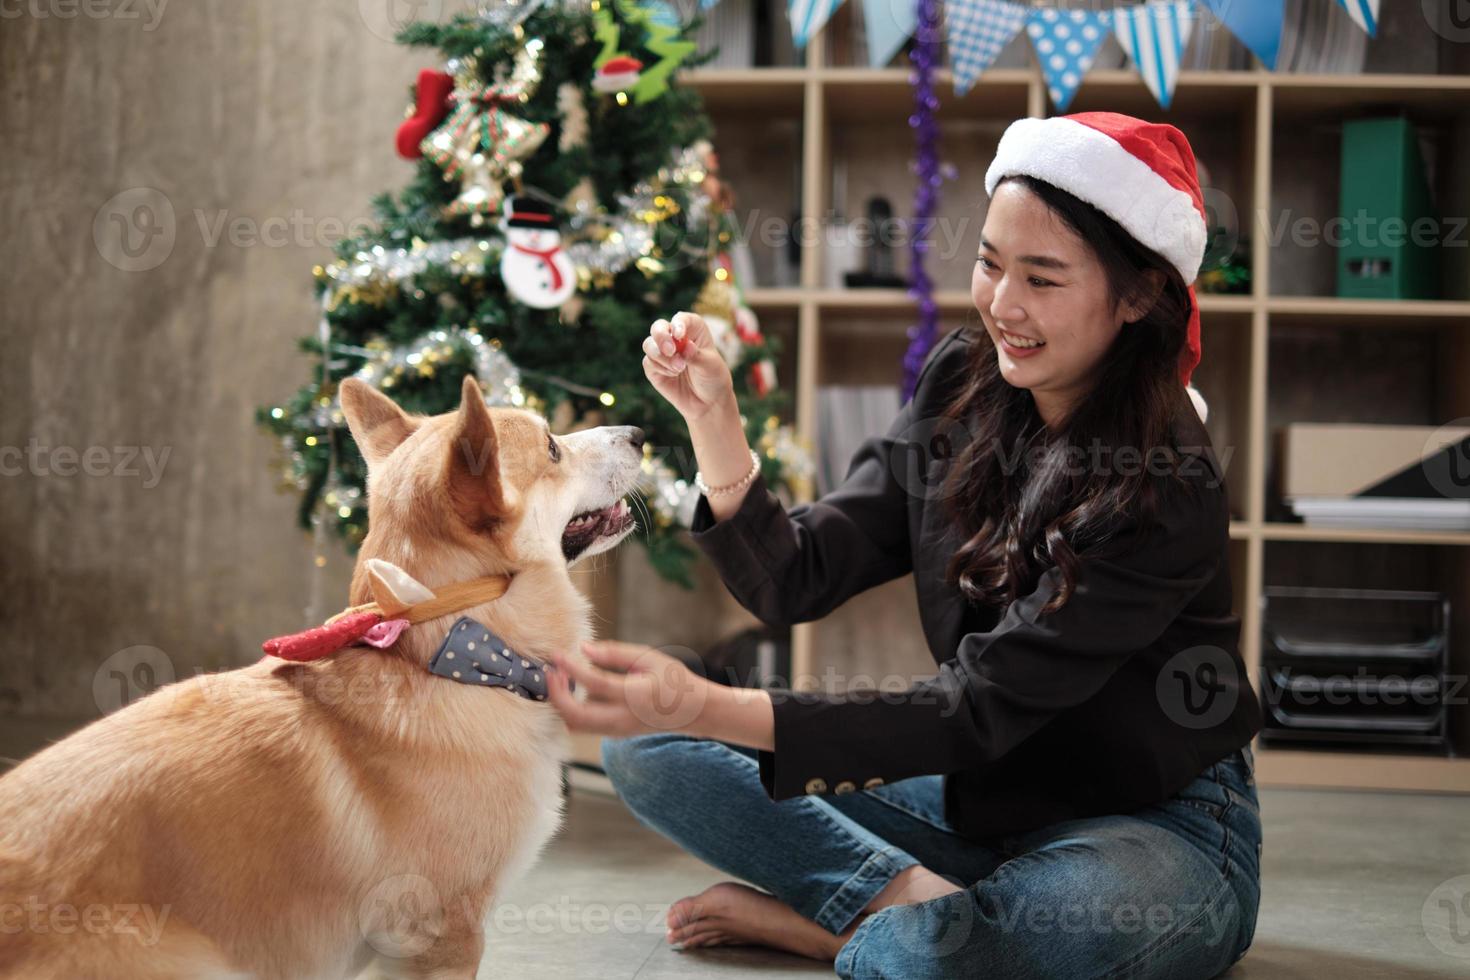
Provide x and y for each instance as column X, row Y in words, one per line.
column 1384, row 254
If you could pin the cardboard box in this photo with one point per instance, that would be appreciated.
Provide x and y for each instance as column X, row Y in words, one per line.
column 1346, row 460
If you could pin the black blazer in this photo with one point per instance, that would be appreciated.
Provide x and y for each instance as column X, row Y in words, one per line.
column 1116, row 701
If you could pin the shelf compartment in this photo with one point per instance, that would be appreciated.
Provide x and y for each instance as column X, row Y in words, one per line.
column 864, row 94
column 750, row 91
column 1394, row 568
column 1356, row 368
column 1305, row 168
column 1198, row 94
column 760, row 157
column 1430, row 96
column 1223, row 378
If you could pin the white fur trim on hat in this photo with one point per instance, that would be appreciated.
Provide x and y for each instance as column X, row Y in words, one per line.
column 1200, row 407
column 1096, row 168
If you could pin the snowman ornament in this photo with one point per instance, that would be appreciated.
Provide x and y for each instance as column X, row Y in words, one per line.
column 535, row 268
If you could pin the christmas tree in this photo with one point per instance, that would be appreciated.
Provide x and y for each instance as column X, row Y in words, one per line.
column 567, row 195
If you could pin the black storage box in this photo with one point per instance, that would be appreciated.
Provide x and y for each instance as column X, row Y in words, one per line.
column 1365, row 667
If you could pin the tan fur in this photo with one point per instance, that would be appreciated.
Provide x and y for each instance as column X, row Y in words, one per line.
column 288, row 820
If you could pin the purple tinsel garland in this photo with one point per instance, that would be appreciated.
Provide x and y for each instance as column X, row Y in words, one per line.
column 926, row 138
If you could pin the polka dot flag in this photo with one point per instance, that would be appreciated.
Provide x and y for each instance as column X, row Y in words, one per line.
column 1365, row 12
column 1066, row 42
column 978, row 31
column 1153, row 35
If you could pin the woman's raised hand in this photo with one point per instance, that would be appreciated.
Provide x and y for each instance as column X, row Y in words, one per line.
column 682, row 363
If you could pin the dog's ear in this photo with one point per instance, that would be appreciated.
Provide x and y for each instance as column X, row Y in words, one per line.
column 473, row 474
column 378, row 425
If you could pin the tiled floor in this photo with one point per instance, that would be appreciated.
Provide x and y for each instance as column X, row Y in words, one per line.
column 1347, row 878
column 1349, row 892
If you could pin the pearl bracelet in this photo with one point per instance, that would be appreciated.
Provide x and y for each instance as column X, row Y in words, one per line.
column 745, row 481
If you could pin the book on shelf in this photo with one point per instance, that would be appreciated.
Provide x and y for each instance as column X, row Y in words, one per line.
column 846, row 416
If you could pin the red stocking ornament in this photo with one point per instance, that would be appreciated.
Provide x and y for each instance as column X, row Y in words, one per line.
column 432, row 106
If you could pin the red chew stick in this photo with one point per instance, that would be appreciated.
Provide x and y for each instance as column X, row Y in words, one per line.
column 315, row 643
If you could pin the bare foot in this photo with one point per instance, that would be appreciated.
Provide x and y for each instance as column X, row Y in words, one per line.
column 734, row 914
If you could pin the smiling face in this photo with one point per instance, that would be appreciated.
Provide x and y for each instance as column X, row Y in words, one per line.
column 1036, row 280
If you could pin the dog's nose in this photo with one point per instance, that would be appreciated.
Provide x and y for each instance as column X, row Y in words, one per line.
column 635, row 436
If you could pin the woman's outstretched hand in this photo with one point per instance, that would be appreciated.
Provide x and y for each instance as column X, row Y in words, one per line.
column 631, row 690
column 682, row 363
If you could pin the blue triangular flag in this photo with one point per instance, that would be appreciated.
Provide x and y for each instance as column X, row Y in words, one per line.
column 887, row 25
column 1066, row 42
column 978, row 30
column 807, row 17
column 1365, row 12
column 1153, row 35
column 1257, row 23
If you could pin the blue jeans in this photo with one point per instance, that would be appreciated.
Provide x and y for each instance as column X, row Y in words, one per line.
column 1170, row 890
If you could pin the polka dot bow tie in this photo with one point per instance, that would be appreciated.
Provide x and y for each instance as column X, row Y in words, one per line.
column 472, row 654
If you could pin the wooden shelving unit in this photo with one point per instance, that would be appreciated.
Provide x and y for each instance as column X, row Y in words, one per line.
column 1250, row 127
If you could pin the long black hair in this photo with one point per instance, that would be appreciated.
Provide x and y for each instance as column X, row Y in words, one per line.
column 1028, row 497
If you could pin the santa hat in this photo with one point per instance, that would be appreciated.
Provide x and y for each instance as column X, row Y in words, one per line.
column 1140, row 174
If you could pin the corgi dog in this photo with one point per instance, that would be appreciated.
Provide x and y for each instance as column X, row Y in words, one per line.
column 354, row 813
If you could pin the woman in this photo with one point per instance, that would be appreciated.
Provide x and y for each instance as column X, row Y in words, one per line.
column 1072, row 794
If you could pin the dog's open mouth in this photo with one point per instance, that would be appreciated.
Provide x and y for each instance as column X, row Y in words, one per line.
column 585, row 530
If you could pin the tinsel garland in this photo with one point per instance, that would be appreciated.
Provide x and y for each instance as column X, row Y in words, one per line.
column 601, row 244
column 924, row 55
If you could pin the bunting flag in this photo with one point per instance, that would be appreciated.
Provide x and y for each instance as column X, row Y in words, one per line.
column 1153, row 35
column 1066, row 42
column 978, row 31
column 888, row 26
column 1365, row 12
column 1257, row 23
column 807, row 17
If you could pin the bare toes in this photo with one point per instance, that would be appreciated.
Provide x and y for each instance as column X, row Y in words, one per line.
column 684, row 912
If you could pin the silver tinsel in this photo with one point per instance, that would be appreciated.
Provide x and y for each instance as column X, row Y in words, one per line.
column 498, row 376
column 669, row 496
column 625, row 237
column 381, row 266
column 629, row 238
